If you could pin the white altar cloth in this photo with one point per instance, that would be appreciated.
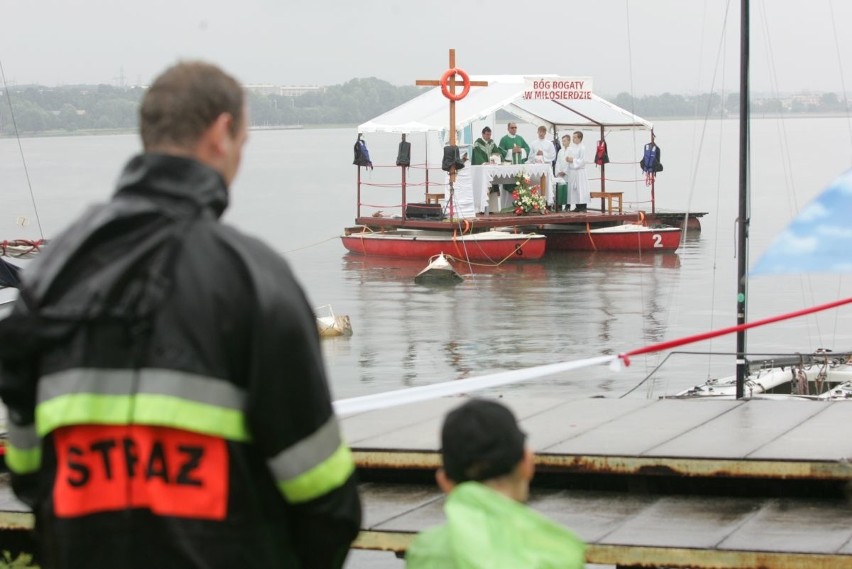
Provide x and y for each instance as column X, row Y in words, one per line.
column 487, row 174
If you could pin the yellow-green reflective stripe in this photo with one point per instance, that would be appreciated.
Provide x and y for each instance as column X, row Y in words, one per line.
column 143, row 409
column 23, row 461
column 322, row 479
column 192, row 416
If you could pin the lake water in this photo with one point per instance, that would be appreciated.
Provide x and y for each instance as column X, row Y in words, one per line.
column 296, row 190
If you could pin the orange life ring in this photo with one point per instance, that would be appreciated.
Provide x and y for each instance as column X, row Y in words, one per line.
column 641, row 218
column 465, row 84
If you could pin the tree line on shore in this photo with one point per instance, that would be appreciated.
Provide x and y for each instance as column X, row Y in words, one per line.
column 34, row 109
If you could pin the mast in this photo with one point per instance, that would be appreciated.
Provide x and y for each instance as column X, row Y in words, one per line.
column 742, row 216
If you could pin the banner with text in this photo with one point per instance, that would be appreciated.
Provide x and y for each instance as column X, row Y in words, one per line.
column 558, row 88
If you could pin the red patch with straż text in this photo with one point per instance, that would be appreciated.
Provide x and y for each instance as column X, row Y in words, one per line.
column 102, row 468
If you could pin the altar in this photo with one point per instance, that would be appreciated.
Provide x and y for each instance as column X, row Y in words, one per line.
column 484, row 176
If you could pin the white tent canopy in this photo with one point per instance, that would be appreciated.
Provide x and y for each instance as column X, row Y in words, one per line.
column 429, row 112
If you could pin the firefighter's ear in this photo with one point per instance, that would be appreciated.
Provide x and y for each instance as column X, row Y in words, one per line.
column 219, row 133
column 211, row 145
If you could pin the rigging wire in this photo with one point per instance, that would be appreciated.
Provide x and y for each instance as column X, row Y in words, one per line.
column 786, row 161
column 311, row 245
column 721, row 49
column 809, row 284
column 848, row 122
column 719, row 62
column 21, row 149
column 642, row 292
column 840, row 68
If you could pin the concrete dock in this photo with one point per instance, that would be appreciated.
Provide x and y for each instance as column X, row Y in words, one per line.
column 646, row 483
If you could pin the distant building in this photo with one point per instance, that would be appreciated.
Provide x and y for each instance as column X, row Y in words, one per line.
column 284, row 90
column 805, row 100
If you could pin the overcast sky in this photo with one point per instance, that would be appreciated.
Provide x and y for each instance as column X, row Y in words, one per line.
column 639, row 46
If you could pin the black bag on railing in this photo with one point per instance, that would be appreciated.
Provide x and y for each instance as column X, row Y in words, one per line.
column 403, row 156
column 451, row 158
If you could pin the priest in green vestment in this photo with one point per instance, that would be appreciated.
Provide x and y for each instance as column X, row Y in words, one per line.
column 484, row 148
column 517, row 150
column 514, row 145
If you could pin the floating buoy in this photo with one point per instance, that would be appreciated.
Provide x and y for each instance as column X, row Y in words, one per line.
column 332, row 325
column 438, row 271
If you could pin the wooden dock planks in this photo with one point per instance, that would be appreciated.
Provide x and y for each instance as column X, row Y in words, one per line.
column 735, row 440
column 683, row 439
column 763, row 438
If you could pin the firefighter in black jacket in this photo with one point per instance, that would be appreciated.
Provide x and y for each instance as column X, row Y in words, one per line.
column 168, row 404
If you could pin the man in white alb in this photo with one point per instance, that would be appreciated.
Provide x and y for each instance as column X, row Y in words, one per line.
column 562, row 167
column 578, row 182
column 542, row 152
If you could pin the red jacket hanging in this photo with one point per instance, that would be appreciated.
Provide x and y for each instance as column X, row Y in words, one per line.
column 601, row 155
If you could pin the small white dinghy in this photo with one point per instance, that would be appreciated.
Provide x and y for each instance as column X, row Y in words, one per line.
column 330, row 325
column 438, row 271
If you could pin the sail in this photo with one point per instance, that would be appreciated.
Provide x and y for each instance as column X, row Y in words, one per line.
column 819, row 238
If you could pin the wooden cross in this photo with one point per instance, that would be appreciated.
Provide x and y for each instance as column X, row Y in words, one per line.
column 451, row 83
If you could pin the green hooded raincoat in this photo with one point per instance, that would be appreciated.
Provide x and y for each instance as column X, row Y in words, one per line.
column 487, row 530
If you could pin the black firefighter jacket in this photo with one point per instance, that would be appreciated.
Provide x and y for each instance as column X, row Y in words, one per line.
column 167, row 398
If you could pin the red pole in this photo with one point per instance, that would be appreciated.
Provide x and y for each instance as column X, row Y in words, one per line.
column 653, row 181
column 404, row 199
column 603, row 170
column 359, row 192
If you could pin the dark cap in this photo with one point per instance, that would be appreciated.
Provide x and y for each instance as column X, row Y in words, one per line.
column 486, row 129
column 480, row 440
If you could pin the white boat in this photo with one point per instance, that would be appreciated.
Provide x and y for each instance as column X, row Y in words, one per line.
column 21, row 248
column 821, row 375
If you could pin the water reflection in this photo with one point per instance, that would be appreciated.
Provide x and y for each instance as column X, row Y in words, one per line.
column 516, row 315
column 392, row 267
column 666, row 260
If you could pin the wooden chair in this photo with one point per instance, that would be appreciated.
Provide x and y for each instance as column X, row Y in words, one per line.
column 608, row 196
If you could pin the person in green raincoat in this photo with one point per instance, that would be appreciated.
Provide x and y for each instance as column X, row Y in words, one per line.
column 487, row 468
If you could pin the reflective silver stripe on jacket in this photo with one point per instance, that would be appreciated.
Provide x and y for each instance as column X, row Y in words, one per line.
column 23, row 437
column 188, row 386
column 307, row 453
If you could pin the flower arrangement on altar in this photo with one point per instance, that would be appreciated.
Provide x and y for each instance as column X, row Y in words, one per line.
column 527, row 198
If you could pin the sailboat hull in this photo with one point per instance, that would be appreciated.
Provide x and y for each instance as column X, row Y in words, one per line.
column 626, row 237
column 492, row 246
column 818, row 382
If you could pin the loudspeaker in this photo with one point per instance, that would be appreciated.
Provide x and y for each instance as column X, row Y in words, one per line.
column 424, row 210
